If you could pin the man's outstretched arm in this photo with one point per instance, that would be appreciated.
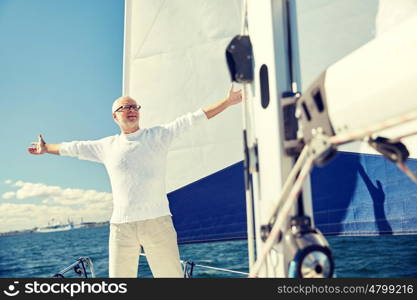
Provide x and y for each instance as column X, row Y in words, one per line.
column 40, row 147
column 233, row 97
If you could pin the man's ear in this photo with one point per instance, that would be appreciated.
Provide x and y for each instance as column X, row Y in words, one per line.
column 114, row 116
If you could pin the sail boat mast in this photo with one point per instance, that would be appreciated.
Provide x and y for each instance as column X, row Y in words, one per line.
column 273, row 33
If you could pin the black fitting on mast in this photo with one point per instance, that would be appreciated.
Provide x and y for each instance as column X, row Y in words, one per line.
column 239, row 59
column 393, row 150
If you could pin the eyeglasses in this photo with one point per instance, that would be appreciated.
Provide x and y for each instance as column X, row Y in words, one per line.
column 128, row 107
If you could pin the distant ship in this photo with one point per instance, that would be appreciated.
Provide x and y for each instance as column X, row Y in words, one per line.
column 55, row 225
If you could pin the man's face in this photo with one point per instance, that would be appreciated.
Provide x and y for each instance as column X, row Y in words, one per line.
column 126, row 118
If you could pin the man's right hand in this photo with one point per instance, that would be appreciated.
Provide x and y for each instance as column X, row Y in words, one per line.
column 38, row 147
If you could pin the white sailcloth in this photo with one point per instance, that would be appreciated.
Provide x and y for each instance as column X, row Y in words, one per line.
column 174, row 62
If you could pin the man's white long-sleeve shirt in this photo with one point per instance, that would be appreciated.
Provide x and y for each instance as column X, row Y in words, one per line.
column 136, row 164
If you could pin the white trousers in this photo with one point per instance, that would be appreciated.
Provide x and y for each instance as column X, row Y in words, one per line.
column 159, row 241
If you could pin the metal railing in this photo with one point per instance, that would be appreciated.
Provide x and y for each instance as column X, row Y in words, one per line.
column 82, row 267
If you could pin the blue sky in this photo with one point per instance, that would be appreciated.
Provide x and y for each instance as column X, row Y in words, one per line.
column 60, row 70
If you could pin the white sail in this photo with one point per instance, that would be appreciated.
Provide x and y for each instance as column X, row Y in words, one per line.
column 174, row 63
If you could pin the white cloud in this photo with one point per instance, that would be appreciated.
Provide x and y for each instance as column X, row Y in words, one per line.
column 51, row 202
column 8, row 195
column 25, row 216
column 8, row 181
column 19, row 183
column 56, row 195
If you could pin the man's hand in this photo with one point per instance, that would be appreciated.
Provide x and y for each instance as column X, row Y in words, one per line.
column 38, row 147
column 234, row 97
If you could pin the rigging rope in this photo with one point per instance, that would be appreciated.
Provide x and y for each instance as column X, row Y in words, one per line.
column 362, row 133
column 281, row 217
column 208, row 267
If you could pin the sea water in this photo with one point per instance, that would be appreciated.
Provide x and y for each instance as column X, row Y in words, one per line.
column 45, row 254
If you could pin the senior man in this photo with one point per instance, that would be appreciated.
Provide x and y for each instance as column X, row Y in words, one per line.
column 135, row 160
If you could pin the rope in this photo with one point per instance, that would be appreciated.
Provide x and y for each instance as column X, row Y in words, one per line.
column 244, row 25
column 209, row 267
column 361, row 133
column 289, row 181
column 395, row 121
column 249, row 128
column 293, row 194
column 398, row 139
column 403, row 167
column 221, row 269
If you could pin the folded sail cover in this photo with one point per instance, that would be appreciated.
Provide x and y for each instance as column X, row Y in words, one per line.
column 174, row 63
